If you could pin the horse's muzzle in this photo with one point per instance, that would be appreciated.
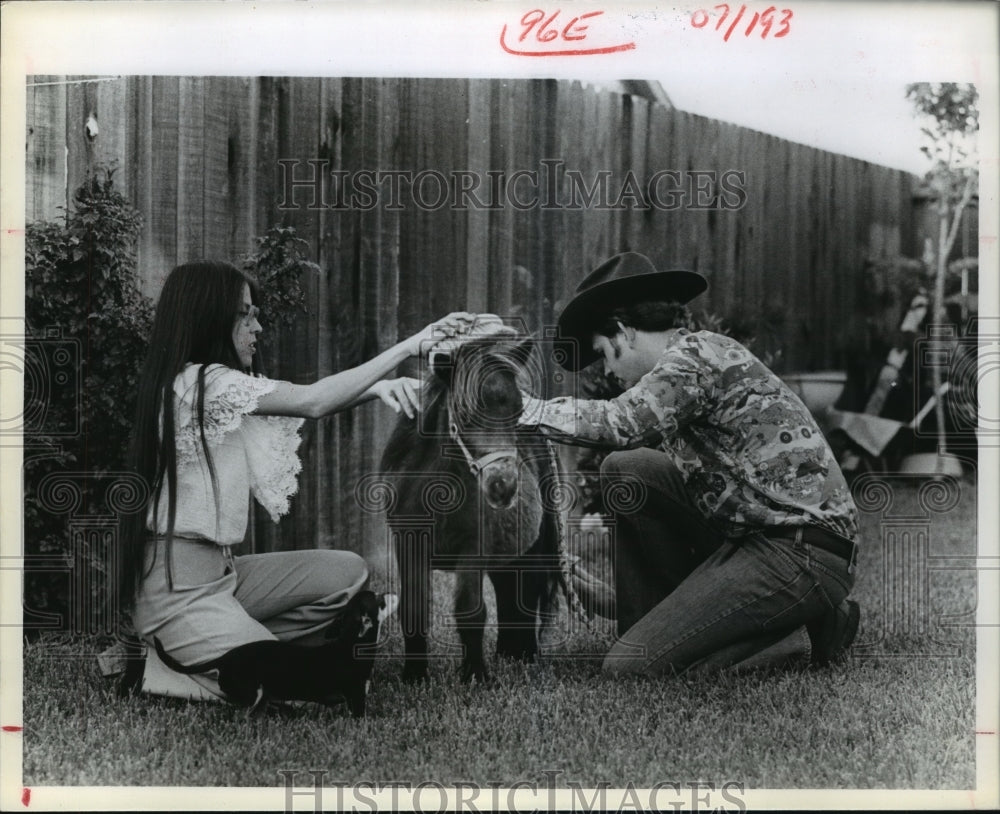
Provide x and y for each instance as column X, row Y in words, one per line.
column 499, row 483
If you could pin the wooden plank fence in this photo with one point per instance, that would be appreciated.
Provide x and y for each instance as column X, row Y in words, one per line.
column 199, row 159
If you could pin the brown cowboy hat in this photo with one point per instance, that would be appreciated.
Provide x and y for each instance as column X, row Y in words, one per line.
column 622, row 280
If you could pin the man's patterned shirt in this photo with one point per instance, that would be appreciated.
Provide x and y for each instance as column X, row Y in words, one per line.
column 749, row 451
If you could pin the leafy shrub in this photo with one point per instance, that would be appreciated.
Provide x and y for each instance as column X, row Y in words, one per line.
column 278, row 263
column 81, row 301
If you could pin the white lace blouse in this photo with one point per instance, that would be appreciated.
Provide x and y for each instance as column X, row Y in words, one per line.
column 251, row 454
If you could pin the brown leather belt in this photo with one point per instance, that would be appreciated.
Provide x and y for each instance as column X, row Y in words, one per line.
column 821, row 538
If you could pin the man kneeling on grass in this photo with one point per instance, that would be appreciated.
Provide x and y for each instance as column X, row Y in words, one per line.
column 738, row 547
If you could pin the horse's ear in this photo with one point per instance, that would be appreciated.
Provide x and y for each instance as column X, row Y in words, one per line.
column 442, row 364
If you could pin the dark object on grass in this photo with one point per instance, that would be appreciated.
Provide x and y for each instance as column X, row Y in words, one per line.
column 834, row 633
column 466, row 495
column 339, row 669
column 135, row 663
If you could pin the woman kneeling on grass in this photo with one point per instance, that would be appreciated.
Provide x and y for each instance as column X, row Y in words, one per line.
column 209, row 431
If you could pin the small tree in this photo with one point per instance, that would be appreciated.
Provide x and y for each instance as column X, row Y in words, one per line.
column 279, row 262
column 951, row 122
column 87, row 328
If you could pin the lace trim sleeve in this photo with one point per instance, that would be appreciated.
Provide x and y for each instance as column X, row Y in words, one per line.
column 272, row 444
column 229, row 396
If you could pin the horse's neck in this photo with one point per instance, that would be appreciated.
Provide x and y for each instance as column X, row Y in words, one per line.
column 435, row 431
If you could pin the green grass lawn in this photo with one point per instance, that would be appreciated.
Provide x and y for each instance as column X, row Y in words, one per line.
column 900, row 713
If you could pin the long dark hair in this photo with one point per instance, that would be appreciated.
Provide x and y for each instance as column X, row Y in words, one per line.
column 198, row 307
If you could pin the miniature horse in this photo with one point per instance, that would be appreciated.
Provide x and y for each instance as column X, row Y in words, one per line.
column 467, row 469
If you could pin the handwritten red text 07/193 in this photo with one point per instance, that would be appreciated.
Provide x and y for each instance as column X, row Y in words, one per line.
column 766, row 21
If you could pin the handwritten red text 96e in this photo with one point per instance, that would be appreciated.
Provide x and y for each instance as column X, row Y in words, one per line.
column 765, row 19
column 551, row 31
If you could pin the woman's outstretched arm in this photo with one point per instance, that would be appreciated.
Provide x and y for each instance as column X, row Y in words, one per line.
column 345, row 389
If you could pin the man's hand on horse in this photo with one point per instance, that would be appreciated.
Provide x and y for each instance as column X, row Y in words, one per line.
column 456, row 323
column 597, row 597
column 400, row 394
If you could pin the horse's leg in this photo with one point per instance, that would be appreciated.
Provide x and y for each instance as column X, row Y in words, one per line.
column 517, row 594
column 414, row 563
column 470, row 619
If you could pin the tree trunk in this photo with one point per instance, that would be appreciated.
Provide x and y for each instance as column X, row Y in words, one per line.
column 946, row 239
column 938, row 315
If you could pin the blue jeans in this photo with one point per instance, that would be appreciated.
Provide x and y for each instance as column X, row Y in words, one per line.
column 690, row 599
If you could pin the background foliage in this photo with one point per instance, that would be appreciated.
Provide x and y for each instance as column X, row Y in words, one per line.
column 278, row 262
column 82, row 292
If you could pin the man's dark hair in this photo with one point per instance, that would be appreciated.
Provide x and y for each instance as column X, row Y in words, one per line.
column 657, row 315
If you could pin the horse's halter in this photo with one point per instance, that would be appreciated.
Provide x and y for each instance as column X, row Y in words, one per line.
column 462, row 384
column 476, row 465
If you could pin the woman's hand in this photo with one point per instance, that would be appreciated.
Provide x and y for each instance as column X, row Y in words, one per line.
column 400, row 394
column 455, row 323
column 347, row 388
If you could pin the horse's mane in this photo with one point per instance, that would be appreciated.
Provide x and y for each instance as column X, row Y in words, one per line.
column 415, row 442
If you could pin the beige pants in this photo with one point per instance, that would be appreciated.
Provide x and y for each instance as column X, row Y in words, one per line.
column 219, row 602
